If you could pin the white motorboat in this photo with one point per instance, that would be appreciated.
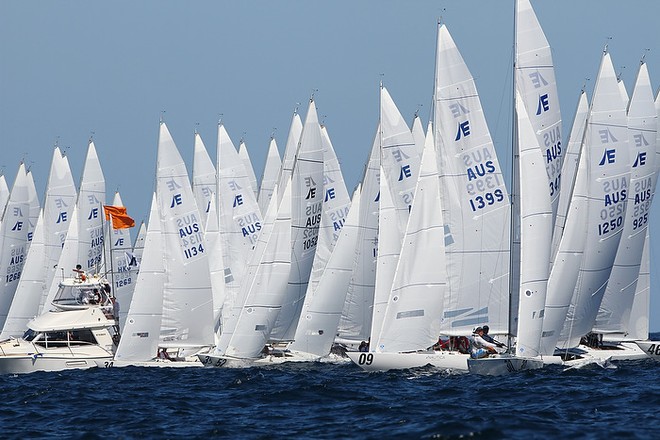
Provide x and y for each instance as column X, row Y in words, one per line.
column 79, row 333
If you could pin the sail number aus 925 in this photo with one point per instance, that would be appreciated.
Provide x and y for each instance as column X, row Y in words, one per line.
column 365, row 358
column 480, row 202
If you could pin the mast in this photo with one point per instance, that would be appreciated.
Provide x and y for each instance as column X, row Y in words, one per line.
column 514, row 252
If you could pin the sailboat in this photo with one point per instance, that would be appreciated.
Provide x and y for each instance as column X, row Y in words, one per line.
column 4, row 192
column 590, row 241
column 259, row 301
column 616, row 306
column 355, row 323
column 307, row 195
column 534, row 205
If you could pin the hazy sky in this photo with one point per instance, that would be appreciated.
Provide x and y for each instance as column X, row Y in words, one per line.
column 72, row 68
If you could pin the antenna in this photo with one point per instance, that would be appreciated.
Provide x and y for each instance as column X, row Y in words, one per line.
column 220, row 116
column 311, row 98
column 647, row 50
column 607, row 40
column 161, row 119
column 196, row 125
column 272, row 134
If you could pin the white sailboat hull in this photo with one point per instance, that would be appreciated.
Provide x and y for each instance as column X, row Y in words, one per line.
column 373, row 361
column 650, row 348
column 499, row 365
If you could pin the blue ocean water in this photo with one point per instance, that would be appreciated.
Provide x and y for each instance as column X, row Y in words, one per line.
column 323, row 400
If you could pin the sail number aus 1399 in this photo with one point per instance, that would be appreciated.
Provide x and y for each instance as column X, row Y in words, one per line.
column 480, row 202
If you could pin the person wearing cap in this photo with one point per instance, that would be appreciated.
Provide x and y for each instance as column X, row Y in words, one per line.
column 480, row 347
column 489, row 338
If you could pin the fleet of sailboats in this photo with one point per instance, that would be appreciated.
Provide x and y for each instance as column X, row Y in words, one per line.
column 231, row 271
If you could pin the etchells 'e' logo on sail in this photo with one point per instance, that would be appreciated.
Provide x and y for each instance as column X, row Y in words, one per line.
column 640, row 160
column 177, row 199
column 537, row 80
column 640, row 140
column 62, row 216
column 463, row 130
column 311, row 184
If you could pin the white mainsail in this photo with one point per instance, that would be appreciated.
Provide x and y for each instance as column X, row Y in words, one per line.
column 418, row 134
column 203, row 178
column 290, row 150
column 240, row 220
column 307, row 196
column 187, row 301
column 642, row 131
column 261, row 297
column 414, row 308
column 475, row 202
column 41, row 263
column 35, row 209
column 569, row 169
column 245, row 157
column 399, row 157
column 13, row 240
column 606, row 149
column 270, row 176
column 535, row 79
column 355, row 323
column 141, row 334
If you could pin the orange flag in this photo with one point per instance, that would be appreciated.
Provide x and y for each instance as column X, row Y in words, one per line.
column 120, row 220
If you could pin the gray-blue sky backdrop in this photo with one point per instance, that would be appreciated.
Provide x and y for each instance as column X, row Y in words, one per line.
column 70, row 68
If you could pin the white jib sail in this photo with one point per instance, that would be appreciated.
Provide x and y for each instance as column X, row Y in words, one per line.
column 267, row 277
column 535, row 236
column 414, row 309
column 569, row 169
column 290, row 150
column 4, row 193
column 322, row 309
column 355, row 323
column 141, row 334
